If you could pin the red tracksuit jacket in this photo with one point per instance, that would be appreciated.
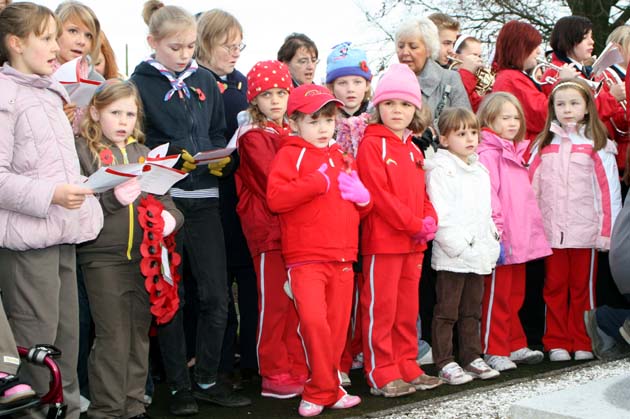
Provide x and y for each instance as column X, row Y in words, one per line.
column 257, row 148
column 317, row 225
column 391, row 170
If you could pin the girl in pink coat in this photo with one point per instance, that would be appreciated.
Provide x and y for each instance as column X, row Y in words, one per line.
column 518, row 219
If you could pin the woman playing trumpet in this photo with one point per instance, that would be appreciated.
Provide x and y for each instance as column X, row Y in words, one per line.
column 517, row 50
column 572, row 43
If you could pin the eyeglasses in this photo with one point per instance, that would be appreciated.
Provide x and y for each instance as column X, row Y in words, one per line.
column 303, row 62
column 232, row 49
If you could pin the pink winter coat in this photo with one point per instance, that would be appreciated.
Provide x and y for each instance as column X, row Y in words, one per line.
column 514, row 208
column 36, row 154
column 577, row 189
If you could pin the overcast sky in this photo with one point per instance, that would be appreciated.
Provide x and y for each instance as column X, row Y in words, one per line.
column 265, row 24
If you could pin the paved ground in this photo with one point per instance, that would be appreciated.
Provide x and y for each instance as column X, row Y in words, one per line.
column 375, row 406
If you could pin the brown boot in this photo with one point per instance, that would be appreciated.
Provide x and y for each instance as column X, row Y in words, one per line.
column 394, row 388
column 425, row 382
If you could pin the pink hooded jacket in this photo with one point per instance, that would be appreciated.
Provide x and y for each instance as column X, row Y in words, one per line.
column 514, row 208
column 36, row 154
column 577, row 189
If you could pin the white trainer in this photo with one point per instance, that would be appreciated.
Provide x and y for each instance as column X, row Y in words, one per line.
column 479, row 369
column 499, row 363
column 559, row 354
column 526, row 356
column 583, row 355
column 454, row 375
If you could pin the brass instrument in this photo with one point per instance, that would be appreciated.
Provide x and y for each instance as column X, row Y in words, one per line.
column 544, row 65
column 485, row 76
column 614, row 79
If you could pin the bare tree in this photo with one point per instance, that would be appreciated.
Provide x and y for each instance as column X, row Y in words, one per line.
column 484, row 18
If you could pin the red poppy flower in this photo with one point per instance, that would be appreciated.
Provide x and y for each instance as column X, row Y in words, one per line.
column 106, row 156
column 222, row 87
column 200, row 94
column 364, row 66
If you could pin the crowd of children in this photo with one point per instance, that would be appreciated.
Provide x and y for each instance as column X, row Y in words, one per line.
column 332, row 191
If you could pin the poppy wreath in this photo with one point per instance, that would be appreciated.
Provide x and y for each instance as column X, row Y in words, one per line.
column 163, row 296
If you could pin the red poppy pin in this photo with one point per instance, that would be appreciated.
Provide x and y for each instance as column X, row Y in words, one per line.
column 222, row 87
column 201, row 94
column 364, row 66
column 106, row 156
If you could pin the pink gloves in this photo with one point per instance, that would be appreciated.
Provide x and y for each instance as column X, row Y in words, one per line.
column 169, row 223
column 352, row 189
column 429, row 227
column 127, row 192
column 322, row 169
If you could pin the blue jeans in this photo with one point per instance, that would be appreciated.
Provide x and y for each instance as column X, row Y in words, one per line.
column 200, row 243
column 609, row 320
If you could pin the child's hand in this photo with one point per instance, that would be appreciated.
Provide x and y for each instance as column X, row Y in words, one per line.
column 70, row 109
column 70, row 196
column 169, row 223
column 216, row 167
column 352, row 189
column 429, row 227
column 501, row 259
column 322, row 169
column 127, row 192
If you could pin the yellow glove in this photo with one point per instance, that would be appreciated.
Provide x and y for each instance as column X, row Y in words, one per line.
column 216, row 167
column 189, row 162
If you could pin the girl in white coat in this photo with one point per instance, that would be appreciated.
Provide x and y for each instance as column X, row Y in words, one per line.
column 465, row 248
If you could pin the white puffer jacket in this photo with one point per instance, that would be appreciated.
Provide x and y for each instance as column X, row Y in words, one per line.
column 467, row 240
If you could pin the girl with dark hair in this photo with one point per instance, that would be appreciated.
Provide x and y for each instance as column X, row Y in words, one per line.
column 572, row 43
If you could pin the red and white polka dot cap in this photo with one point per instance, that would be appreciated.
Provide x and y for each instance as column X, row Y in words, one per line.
column 266, row 75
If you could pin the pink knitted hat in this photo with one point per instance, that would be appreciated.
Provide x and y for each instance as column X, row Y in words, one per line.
column 398, row 82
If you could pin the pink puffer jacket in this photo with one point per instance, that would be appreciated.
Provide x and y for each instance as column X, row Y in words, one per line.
column 514, row 208
column 36, row 154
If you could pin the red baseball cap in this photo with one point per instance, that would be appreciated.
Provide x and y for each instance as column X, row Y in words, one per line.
column 309, row 98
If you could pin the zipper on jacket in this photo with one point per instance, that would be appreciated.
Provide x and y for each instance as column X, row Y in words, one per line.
column 561, row 237
column 191, row 138
column 131, row 221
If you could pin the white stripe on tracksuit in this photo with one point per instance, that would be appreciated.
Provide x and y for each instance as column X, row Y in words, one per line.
column 489, row 314
column 371, row 327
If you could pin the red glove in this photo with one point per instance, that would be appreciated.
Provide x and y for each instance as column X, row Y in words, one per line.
column 429, row 227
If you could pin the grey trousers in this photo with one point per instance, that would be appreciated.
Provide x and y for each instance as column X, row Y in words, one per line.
column 40, row 299
column 119, row 360
column 9, row 358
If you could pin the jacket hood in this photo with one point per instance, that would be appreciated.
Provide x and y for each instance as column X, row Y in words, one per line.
column 33, row 80
column 147, row 70
column 449, row 161
column 297, row 141
column 490, row 140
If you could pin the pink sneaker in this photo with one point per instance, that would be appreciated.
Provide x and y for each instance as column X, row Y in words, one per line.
column 281, row 386
column 13, row 389
column 346, row 402
column 308, row 409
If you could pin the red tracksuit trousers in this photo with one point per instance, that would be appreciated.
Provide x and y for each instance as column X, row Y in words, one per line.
column 278, row 345
column 389, row 304
column 354, row 342
column 322, row 293
column 504, row 293
column 569, row 290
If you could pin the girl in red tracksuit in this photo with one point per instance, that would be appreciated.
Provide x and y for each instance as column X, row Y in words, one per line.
column 572, row 43
column 318, row 197
column 280, row 354
column 394, row 235
column 517, row 47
